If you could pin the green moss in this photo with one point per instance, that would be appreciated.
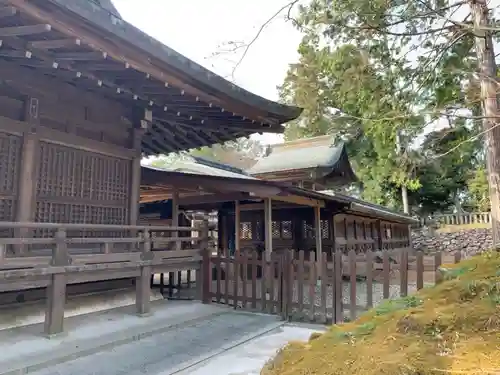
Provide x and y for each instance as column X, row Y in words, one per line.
column 389, row 306
column 452, row 328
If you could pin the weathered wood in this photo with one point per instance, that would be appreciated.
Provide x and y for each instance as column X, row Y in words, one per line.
column 56, row 291
column 403, row 273
column 386, row 274
column 7, row 12
column 24, row 30
column 54, row 43
column 369, row 279
column 324, row 287
column 420, row 270
column 237, row 223
column 143, row 287
column 205, row 277
column 352, row 284
column 317, row 236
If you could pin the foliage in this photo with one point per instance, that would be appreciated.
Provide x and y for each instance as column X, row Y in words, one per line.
column 452, row 328
column 370, row 70
column 241, row 153
column 478, row 190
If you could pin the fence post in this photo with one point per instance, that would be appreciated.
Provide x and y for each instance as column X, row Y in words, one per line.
column 203, row 274
column 143, row 282
column 403, row 273
column 56, row 291
column 337, row 288
column 438, row 261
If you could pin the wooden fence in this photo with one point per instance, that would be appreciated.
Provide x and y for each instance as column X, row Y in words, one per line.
column 54, row 256
column 458, row 219
column 321, row 290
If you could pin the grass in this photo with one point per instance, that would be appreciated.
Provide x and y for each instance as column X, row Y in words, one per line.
column 462, row 227
column 451, row 328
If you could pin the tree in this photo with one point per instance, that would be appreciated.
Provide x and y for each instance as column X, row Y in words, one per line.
column 368, row 68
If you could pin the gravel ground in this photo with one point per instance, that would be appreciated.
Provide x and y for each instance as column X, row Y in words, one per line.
column 361, row 297
column 159, row 353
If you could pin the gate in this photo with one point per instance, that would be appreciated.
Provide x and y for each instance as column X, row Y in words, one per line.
column 289, row 285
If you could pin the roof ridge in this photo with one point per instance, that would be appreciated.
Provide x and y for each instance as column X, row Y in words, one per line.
column 322, row 140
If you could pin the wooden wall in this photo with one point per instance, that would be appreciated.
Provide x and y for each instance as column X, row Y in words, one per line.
column 295, row 229
column 66, row 155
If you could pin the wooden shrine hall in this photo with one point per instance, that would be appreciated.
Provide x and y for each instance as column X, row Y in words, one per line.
column 275, row 214
column 84, row 96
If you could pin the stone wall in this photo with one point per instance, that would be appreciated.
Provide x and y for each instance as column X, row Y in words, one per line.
column 469, row 241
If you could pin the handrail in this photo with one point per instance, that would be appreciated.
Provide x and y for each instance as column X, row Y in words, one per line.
column 34, row 225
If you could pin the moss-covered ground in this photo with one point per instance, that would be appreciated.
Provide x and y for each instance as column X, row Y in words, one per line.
column 451, row 328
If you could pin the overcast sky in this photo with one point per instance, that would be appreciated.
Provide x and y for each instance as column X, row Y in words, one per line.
column 198, row 28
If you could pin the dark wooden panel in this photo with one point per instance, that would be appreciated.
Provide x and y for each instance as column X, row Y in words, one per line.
column 10, row 150
column 76, row 186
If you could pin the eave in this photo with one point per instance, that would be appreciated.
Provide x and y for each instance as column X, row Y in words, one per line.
column 86, row 46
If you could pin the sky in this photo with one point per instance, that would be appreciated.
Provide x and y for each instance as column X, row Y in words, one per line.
column 198, row 29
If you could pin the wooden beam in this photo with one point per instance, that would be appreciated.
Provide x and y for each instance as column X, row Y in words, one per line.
column 302, row 201
column 135, row 183
column 24, row 30
column 237, row 221
column 55, row 43
column 7, row 12
column 212, row 198
column 81, row 56
column 106, row 67
column 16, row 54
column 317, row 229
column 130, row 53
column 268, row 225
column 175, row 217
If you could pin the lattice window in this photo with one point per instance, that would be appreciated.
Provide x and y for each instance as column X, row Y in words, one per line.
column 307, row 230
column 286, row 230
column 6, row 210
column 68, row 172
column 76, row 186
column 246, row 230
column 276, row 231
column 10, row 150
column 325, row 229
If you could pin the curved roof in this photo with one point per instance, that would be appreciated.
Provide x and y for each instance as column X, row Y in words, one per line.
column 108, row 5
column 104, row 16
column 318, row 153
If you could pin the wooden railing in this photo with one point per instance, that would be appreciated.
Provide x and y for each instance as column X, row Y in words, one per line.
column 458, row 219
column 53, row 256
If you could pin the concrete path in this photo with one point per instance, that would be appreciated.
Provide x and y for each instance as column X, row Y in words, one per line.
column 174, row 350
column 249, row 357
column 25, row 349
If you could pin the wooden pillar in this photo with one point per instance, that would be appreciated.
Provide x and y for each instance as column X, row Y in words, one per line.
column 220, row 234
column 25, row 209
column 319, row 244
column 380, row 238
column 268, row 225
column 142, row 282
column 142, row 121
column 237, row 221
column 175, row 217
column 331, row 224
column 56, row 291
column 224, row 239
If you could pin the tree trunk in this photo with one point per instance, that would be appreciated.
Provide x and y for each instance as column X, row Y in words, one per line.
column 404, row 195
column 488, row 72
